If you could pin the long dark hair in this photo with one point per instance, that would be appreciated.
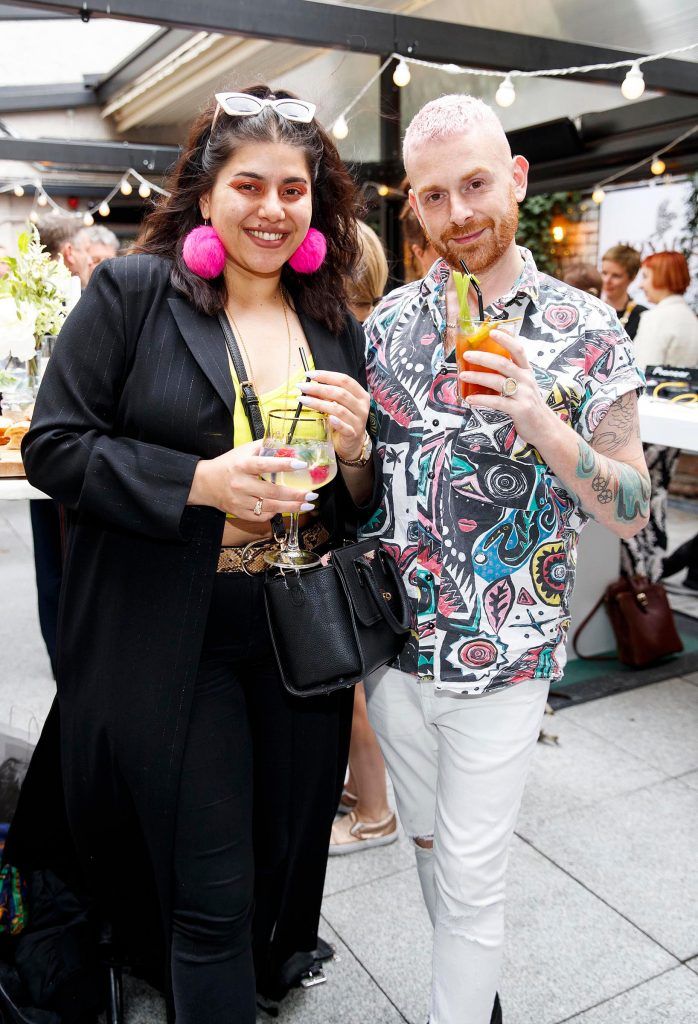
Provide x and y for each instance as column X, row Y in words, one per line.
column 335, row 207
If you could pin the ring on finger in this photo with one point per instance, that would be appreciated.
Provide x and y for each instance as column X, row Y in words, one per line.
column 258, row 506
column 509, row 387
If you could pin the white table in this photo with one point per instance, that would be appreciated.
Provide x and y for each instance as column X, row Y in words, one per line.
column 673, row 424
column 18, row 488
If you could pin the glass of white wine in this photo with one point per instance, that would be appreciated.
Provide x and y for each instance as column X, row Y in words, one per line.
column 307, row 437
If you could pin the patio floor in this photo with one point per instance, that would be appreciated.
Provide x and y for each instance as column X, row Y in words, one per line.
column 602, row 882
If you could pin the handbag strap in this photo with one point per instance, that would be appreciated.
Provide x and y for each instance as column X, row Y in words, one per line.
column 578, row 633
column 250, row 403
column 398, row 625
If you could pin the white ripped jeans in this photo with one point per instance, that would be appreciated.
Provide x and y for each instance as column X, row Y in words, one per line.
column 458, row 766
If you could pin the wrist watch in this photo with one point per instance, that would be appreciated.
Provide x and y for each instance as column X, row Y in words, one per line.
column 364, row 456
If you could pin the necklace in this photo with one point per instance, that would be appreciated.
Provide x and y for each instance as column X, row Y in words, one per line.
column 247, row 357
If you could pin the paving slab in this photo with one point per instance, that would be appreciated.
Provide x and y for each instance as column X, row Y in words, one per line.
column 689, row 779
column 657, row 723
column 693, row 964
column 692, row 677
column 579, row 769
column 639, row 853
column 350, row 869
column 671, row 998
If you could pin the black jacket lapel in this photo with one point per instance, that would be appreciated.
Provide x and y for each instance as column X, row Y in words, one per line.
column 204, row 337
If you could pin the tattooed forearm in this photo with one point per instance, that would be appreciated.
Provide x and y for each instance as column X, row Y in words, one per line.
column 619, row 426
column 615, row 483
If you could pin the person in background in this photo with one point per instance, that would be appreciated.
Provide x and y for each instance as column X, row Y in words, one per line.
column 102, row 244
column 69, row 239
column 667, row 335
column 419, row 254
column 584, row 276
column 368, row 819
column 619, row 267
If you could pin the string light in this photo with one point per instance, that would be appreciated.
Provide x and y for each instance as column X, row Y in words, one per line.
column 598, row 196
column 383, row 190
column 506, row 93
column 18, row 191
column 42, row 199
column 633, row 84
column 652, row 160
column 126, row 188
column 88, row 220
column 33, row 216
column 144, row 190
column 104, row 209
column 657, row 166
column 340, row 129
column 402, row 75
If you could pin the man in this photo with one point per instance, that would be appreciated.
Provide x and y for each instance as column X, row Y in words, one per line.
column 102, row 244
column 482, row 509
column 63, row 237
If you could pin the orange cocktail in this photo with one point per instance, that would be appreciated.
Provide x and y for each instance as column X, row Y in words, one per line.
column 471, row 337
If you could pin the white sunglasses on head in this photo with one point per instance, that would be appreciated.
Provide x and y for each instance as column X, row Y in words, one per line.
column 243, row 104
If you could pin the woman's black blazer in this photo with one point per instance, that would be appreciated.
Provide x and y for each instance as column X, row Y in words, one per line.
column 137, row 391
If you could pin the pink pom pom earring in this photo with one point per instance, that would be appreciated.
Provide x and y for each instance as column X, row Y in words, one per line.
column 310, row 254
column 203, row 252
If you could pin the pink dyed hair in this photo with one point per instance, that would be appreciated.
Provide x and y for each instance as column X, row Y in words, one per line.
column 448, row 116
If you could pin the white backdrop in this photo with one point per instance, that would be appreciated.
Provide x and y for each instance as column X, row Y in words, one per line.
column 650, row 218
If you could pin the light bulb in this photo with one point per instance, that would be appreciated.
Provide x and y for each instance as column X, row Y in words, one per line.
column 126, row 187
column 144, row 190
column 41, row 199
column 340, row 129
column 33, row 216
column 558, row 233
column 88, row 220
column 598, row 196
column 401, row 75
column 657, row 166
column 104, row 210
column 18, row 191
column 383, row 190
column 506, row 93
column 633, row 84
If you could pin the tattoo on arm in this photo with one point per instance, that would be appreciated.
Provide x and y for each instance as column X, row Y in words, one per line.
column 619, row 426
column 614, row 482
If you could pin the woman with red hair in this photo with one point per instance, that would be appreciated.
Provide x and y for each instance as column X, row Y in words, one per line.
column 668, row 333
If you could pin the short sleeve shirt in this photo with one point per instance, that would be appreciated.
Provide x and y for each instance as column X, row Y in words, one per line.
column 484, row 533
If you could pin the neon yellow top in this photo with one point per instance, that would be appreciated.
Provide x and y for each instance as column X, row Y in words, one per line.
column 275, row 399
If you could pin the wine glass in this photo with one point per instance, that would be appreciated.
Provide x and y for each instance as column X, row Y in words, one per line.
column 307, row 437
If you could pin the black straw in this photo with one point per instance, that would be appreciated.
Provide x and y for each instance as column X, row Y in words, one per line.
column 299, row 407
column 476, row 286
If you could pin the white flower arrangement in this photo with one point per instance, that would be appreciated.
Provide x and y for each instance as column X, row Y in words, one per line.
column 33, row 295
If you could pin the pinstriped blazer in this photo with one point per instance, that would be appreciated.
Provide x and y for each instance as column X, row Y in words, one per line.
column 137, row 390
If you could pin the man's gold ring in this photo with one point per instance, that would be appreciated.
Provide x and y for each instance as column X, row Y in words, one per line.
column 509, row 387
column 258, row 507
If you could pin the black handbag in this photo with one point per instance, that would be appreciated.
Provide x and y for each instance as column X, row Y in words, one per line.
column 330, row 625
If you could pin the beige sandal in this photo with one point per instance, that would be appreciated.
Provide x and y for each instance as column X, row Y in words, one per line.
column 347, row 802
column 349, row 834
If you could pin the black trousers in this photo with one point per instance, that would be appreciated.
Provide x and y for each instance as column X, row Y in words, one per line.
column 261, row 779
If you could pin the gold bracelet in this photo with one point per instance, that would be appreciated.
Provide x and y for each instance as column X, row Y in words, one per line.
column 364, row 456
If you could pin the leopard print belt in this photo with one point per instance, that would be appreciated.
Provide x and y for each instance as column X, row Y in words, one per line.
column 250, row 558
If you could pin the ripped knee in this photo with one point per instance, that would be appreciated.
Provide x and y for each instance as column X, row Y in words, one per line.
column 423, row 842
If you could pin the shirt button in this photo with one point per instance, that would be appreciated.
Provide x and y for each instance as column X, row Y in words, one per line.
column 431, row 474
column 434, row 423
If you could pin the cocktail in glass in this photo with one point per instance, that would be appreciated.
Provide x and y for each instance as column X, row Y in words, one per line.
column 307, row 437
column 472, row 336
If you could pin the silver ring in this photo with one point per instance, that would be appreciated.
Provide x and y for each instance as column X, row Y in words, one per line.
column 258, row 507
column 509, row 387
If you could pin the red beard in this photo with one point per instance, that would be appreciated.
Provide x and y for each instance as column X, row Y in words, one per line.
column 484, row 252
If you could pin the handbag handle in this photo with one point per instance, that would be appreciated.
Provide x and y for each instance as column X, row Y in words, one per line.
column 399, row 626
column 250, row 404
column 578, row 633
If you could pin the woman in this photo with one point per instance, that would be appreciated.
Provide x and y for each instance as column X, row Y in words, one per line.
column 368, row 819
column 667, row 334
column 172, row 712
column 619, row 267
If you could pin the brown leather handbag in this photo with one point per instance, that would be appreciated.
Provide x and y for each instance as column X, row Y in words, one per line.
column 641, row 619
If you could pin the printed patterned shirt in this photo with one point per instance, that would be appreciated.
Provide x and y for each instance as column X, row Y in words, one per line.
column 484, row 533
